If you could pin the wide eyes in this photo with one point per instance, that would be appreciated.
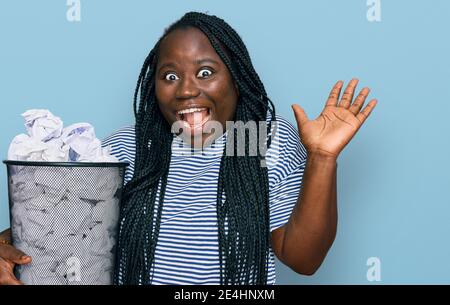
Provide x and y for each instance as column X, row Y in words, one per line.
column 171, row 76
column 203, row 73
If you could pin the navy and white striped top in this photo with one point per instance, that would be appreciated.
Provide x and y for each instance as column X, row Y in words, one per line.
column 188, row 251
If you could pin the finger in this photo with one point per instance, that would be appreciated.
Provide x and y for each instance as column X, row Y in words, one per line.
column 14, row 255
column 300, row 114
column 6, row 273
column 347, row 97
column 334, row 94
column 355, row 108
column 9, row 280
column 364, row 114
column 15, row 282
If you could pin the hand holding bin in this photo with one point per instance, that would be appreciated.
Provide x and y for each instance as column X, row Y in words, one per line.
column 65, row 216
column 64, row 194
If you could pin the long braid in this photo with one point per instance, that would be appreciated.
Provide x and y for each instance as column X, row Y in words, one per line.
column 242, row 190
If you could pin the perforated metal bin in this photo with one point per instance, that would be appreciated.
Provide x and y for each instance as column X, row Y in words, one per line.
column 65, row 216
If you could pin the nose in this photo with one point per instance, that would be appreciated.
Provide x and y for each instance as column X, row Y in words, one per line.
column 187, row 88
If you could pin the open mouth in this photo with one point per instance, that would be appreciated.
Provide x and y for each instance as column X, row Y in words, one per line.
column 194, row 117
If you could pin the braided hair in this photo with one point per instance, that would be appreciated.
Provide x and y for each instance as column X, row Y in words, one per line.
column 243, row 188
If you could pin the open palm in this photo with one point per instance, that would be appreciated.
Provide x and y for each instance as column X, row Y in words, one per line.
column 330, row 132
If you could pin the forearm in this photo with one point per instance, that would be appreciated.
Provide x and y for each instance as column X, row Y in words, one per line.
column 6, row 235
column 311, row 229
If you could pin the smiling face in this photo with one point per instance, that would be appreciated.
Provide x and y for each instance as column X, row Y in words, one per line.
column 193, row 85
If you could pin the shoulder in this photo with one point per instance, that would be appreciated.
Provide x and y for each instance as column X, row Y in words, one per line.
column 285, row 138
column 122, row 143
column 122, row 135
column 286, row 153
column 285, row 130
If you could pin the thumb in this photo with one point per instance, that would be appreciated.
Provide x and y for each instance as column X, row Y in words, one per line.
column 14, row 255
column 300, row 114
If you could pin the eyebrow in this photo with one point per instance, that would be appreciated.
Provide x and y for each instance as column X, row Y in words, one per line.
column 197, row 62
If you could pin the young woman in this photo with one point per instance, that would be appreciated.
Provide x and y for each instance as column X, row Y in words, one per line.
column 215, row 217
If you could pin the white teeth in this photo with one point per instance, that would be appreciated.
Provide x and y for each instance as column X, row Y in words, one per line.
column 190, row 110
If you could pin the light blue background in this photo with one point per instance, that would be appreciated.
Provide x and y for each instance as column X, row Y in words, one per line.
column 394, row 175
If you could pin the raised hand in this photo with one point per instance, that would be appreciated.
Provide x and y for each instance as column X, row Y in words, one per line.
column 339, row 121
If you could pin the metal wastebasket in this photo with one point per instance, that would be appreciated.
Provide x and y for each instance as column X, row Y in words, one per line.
column 65, row 216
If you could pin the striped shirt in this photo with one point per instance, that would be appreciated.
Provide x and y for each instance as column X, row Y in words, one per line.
column 188, row 250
